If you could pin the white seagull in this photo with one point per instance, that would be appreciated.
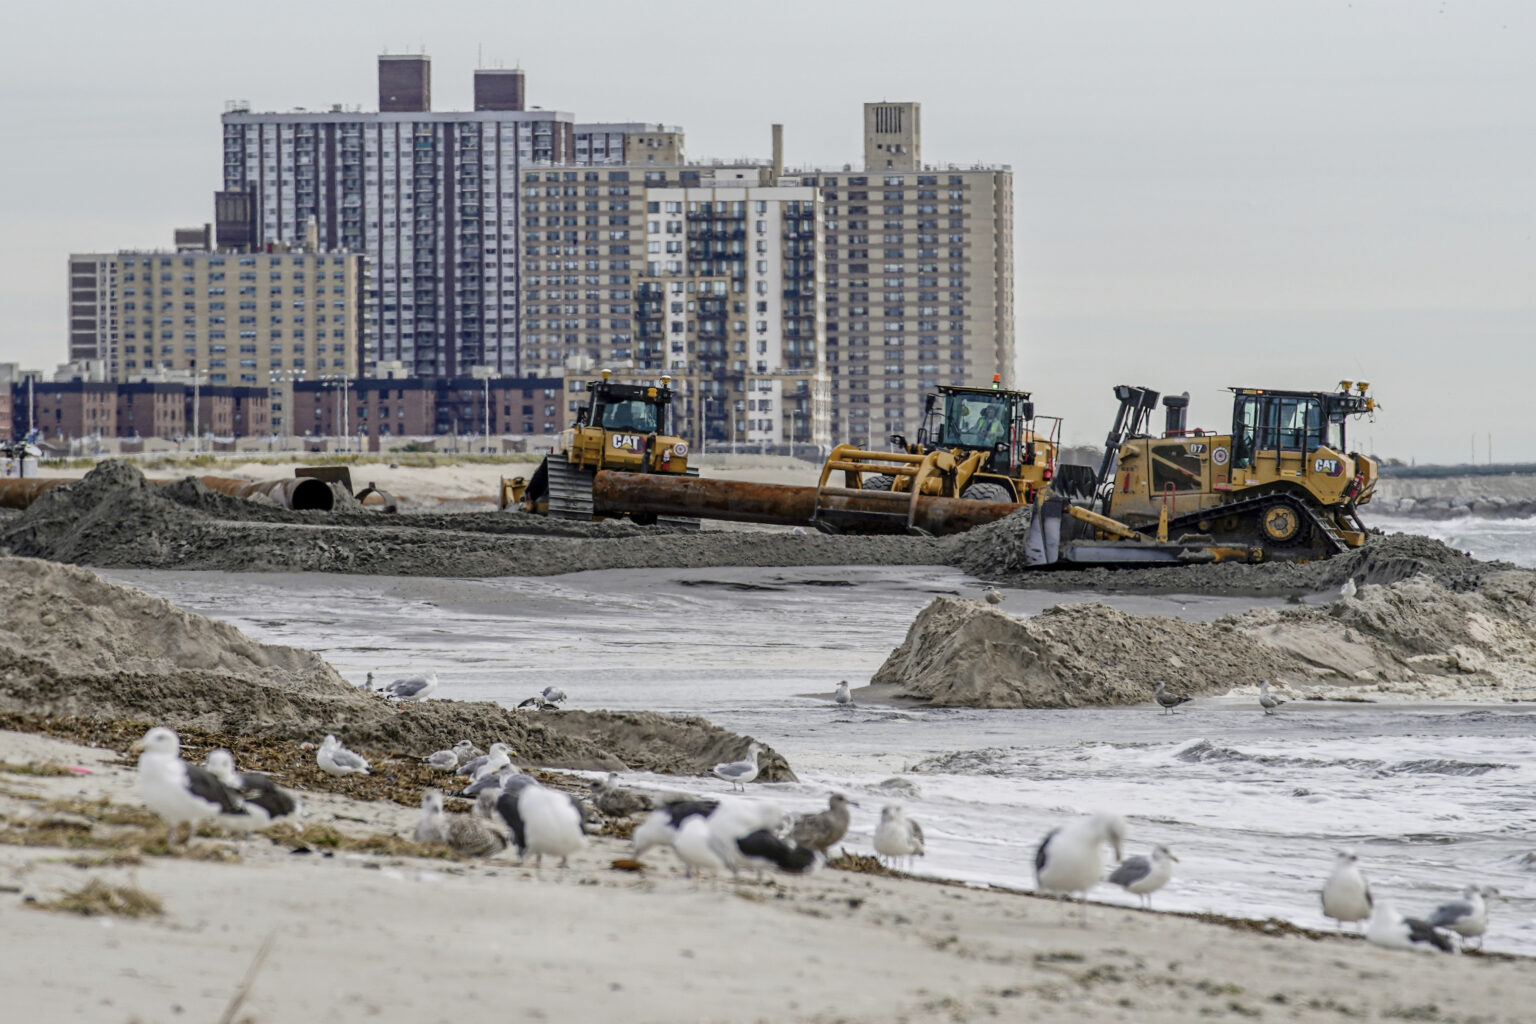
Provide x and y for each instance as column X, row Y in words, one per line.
column 897, row 837
column 739, row 773
column 180, row 793
column 1346, row 894
column 1348, row 590
column 541, row 820
column 432, row 827
column 1267, row 702
column 1145, row 875
column 660, row 827
column 413, row 688
column 442, row 760
column 1068, row 861
column 842, row 696
column 1394, row 931
column 499, row 754
column 263, row 798
column 1468, row 916
column 334, row 759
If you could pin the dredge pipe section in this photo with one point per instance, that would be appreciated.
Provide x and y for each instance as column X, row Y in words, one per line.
column 615, row 493
column 302, row 493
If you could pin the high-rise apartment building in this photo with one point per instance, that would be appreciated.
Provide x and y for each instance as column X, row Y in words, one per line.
column 243, row 319
column 92, row 323
column 711, row 276
column 919, row 277
column 430, row 196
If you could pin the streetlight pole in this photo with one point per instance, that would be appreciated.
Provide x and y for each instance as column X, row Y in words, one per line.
column 488, row 412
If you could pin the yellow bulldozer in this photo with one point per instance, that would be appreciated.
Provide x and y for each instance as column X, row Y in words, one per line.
column 981, row 446
column 623, row 428
column 1280, row 485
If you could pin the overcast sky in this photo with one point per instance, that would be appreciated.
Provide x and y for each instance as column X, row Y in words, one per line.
column 1208, row 192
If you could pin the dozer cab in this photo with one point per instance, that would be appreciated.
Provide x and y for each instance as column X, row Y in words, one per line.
column 1279, row 485
column 623, row 428
column 982, row 446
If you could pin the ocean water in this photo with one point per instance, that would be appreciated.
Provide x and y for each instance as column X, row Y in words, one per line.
column 1509, row 540
column 1431, row 797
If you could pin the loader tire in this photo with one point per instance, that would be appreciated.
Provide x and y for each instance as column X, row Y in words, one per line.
column 877, row 482
column 986, row 492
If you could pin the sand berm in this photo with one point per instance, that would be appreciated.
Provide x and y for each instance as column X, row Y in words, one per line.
column 74, row 647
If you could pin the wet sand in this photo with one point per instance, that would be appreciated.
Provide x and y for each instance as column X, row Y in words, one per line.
column 363, row 936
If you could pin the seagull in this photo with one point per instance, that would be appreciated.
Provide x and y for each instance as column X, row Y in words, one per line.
column 180, row 793
column 470, row 836
column 367, row 684
column 413, row 688
column 660, row 827
column 1394, row 931
column 897, row 836
column 550, row 697
column 824, row 828
column 1068, row 861
column 993, row 595
column 433, row 824
column 1346, row 894
column 1468, row 916
column 442, row 760
column 616, row 802
column 467, row 751
column 1169, row 701
column 842, row 696
column 258, row 792
column 739, row 773
column 541, row 821
column 499, row 756
column 698, row 847
column 1348, row 590
column 492, row 783
column 334, row 759
column 763, row 849
column 1267, row 702
column 1145, row 875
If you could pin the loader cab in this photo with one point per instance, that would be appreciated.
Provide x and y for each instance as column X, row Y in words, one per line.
column 990, row 420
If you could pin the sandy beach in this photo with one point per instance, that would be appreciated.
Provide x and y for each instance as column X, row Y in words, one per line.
column 359, row 936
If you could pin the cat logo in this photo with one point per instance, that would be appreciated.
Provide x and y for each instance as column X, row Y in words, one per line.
column 1197, row 449
column 629, row 441
column 1332, row 467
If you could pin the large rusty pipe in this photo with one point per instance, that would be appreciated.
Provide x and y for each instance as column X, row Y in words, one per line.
column 301, row 493
column 21, row 493
column 742, row 501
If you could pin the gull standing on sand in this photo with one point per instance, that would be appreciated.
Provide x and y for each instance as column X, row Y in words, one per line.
column 821, row 830
column 1168, row 701
column 334, row 759
column 442, row 760
column 842, row 696
column 262, row 797
column 499, row 754
column 1348, row 590
column 661, row 826
column 469, row 835
column 763, row 849
column 897, row 837
column 1394, row 931
column 178, row 792
column 1145, row 875
column 1346, row 894
column 432, row 826
column 413, row 688
column 1468, row 916
column 541, row 821
column 1069, row 863
column 739, row 773
column 993, row 595
column 616, row 802
column 1267, row 702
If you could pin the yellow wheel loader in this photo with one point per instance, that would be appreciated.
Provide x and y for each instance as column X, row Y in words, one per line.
column 622, row 428
column 1279, row 485
column 982, row 446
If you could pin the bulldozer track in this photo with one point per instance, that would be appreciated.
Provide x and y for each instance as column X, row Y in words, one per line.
column 1317, row 539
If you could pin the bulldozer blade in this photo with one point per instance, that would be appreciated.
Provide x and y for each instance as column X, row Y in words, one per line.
column 1042, row 544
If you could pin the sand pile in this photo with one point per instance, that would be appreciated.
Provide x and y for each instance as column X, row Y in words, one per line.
column 114, row 519
column 72, row 645
column 995, row 552
column 1412, row 637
